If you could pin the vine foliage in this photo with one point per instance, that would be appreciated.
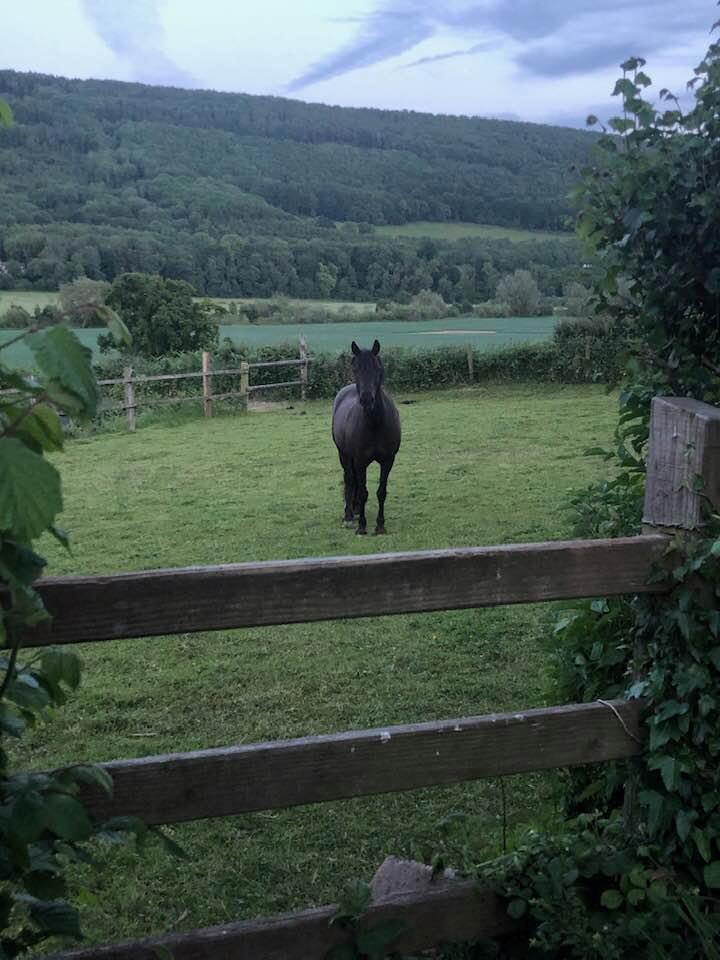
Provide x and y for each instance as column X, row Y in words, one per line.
column 44, row 828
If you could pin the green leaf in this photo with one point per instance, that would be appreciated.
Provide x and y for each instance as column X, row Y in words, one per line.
column 119, row 332
column 67, row 365
column 66, row 817
column 61, row 536
column 27, row 693
column 55, row 917
column 711, row 875
column 611, row 899
column 6, row 116
column 62, row 666
column 684, row 820
column 669, row 771
column 30, row 493
column 86, row 773
column 42, row 425
column 702, row 843
column 517, row 908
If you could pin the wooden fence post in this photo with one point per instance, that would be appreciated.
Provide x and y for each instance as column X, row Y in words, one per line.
column 303, row 368
column 244, row 383
column 207, row 384
column 129, row 398
column 470, row 363
column 682, row 482
column 683, row 468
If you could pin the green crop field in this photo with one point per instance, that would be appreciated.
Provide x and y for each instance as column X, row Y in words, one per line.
column 477, row 466
column 458, row 230
column 334, row 337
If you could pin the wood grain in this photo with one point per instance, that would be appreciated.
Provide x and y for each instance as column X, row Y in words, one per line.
column 450, row 913
column 267, row 776
column 683, row 470
column 191, row 599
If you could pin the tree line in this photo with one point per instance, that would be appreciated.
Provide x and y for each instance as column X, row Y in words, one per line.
column 251, row 196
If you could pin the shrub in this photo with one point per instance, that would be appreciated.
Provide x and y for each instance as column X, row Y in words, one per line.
column 161, row 315
column 521, row 292
column 15, row 318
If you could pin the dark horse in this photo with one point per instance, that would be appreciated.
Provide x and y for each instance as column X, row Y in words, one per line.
column 365, row 427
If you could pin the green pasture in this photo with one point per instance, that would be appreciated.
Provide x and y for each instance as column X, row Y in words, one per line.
column 334, row 337
column 477, row 466
column 458, row 230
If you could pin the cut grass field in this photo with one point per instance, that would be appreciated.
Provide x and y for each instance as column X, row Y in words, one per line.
column 458, row 230
column 477, row 466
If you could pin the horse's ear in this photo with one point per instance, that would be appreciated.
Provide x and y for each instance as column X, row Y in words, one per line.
column 355, row 348
column 376, row 347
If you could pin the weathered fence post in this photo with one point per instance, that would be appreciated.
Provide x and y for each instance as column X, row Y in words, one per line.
column 303, row 368
column 470, row 363
column 682, row 482
column 683, row 469
column 244, row 384
column 129, row 398
column 207, row 384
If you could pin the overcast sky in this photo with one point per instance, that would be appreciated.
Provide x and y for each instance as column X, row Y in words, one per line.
column 540, row 60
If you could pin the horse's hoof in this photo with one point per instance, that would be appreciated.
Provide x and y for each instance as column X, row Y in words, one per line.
column 349, row 523
column 379, row 530
column 360, row 532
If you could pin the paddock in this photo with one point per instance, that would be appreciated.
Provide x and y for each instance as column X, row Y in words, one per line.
column 237, row 489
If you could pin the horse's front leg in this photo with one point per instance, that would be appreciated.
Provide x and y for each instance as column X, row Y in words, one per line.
column 349, row 480
column 361, row 495
column 385, row 468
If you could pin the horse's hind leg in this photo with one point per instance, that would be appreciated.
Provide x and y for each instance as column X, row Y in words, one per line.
column 385, row 468
column 361, row 493
column 349, row 482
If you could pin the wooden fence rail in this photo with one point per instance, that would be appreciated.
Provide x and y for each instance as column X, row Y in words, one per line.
column 192, row 599
column 270, row 776
column 224, row 781
column 130, row 380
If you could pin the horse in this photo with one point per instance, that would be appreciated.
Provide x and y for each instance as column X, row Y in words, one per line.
column 365, row 428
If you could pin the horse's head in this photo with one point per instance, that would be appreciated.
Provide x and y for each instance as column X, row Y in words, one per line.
column 369, row 373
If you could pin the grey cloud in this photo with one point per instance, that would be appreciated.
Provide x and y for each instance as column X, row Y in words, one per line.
column 561, row 61
column 382, row 36
column 132, row 29
column 556, row 37
column 450, row 55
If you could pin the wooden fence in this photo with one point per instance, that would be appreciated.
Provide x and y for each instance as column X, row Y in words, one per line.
column 684, row 444
column 129, row 380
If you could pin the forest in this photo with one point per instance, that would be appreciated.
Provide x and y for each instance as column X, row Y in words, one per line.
column 249, row 196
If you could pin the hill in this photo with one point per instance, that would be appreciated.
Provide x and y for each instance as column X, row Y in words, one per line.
column 241, row 194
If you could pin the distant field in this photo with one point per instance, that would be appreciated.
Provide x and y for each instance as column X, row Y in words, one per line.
column 334, row 337
column 28, row 299
column 459, row 230
column 332, row 306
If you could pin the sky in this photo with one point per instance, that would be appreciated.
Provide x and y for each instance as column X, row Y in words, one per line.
column 547, row 61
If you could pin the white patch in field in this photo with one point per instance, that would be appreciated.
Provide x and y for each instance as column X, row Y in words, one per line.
column 453, row 333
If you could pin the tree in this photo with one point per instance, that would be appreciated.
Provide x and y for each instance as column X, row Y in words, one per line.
column 520, row 291
column 161, row 315
column 80, row 299
column 649, row 210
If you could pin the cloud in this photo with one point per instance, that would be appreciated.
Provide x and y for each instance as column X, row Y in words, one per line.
column 132, row 29
column 551, row 37
column 383, row 35
column 451, row 55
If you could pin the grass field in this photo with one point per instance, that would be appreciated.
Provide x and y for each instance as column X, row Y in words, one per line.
column 477, row 466
column 29, row 299
column 334, row 337
column 458, row 231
